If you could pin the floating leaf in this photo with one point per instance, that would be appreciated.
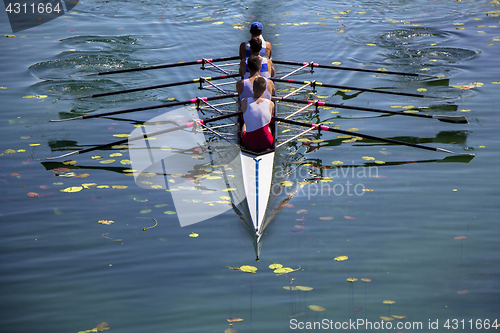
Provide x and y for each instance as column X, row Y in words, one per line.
column 248, row 269
column 121, row 135
column 287, row 183
column 33, row 194
column 102, row 327
column 462, row 292
column 230, row 330
column 234, row 319
column 351, row 279
column 384, row 318
column 337, row 162
column 341, row 258
column 119, row 187
column 73, row 189
column 108, row 222
column 347, row 217
column 326, row 218
column 293, row 288
column 82, row 175
column 106, row 161
column 170, row 212
column 274, row 266
column 379, row 162
column 145, row 211
column 368, row 158
column 70, row 162
column 304, row 288
column 302, row 211
column 366, row 280
column 283, row 270
column 389, row 301
column 193, row 234
column 115, row 155
column 399, row 317
column 316, row 308
column 460, row 237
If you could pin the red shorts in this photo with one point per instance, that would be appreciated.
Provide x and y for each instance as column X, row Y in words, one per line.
column 260, row 139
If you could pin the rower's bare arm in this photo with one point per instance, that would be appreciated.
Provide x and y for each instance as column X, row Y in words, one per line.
column 243, row 51
column 270, row 87
column 239, row 87
column 243, row 105
column 271, row 108
column 243, row 67
column 269, row 50
column 271, row 67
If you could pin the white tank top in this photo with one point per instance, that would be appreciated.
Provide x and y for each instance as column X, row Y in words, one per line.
column 248, row 90
column 257, row 115
column 264, row 70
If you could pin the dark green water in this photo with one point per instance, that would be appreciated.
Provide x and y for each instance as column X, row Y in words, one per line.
column 426, row 236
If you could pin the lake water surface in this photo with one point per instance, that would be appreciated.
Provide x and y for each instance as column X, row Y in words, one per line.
column 423, row 235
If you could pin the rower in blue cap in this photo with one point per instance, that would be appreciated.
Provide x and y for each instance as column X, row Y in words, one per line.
column 256, row 31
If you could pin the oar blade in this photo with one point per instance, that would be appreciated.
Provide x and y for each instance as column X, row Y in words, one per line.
column 452, row 119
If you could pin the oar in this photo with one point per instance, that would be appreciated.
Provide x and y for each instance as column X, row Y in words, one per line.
column 187, row 125
column 313, row 65
column 315, row 83
column 189, row 101
column 178, row 64
column 329, row 129
column 166, row 85
column 446, row 119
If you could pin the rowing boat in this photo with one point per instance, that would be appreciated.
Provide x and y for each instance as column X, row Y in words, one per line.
column 208, row 159
column 257, row 173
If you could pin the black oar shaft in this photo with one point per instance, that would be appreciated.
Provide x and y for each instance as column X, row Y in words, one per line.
column 179, row 64
column 315, row 65
column 326, row 128
column 189, row 101
column 326, row 85
column 349, row 107
column 119, row 142
column 166, row 85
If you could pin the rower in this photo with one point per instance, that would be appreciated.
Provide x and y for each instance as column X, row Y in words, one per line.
column 257, row 115
column 267, row 68
column 244, row 87
column 256, row 31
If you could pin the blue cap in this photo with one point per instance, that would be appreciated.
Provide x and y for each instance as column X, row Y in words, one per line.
column 256, row 26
